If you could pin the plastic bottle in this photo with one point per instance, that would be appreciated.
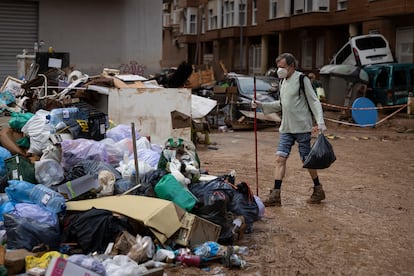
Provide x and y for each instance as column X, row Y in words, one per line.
column 243, row 250
column 236, row 261
column 46, row 197
column 207, row 250
column 189, row 260
column 59, row 117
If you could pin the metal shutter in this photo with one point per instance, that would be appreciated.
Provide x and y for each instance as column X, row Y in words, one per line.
column 18, row 31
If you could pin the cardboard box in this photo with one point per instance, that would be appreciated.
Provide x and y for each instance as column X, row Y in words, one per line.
column 78, row 186
column 15, row 260
column 232, row 89
column 196, row 230
column 61, row 267
column 161, row 216
column 219, row 89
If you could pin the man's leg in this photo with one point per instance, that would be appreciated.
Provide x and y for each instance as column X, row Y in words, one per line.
column 318, row 193
column 279, row 173
column 285, row 145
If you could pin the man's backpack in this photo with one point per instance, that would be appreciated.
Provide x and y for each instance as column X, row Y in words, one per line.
column 301, row 83
column 301, row 86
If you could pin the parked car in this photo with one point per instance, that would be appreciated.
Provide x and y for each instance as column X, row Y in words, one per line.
column 364, row 50
column 390, row 83
column 240, row 93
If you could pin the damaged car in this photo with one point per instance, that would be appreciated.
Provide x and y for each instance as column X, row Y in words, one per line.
column 240, row 91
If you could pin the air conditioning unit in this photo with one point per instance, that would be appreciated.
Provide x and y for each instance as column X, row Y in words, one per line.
column 165, row 6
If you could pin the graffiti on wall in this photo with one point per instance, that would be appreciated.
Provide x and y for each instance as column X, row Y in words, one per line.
column 133, row 67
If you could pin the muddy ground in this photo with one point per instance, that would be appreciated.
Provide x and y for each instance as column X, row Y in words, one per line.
column 364, row 227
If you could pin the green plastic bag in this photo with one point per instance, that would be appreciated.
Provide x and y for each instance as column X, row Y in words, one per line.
column 18, row 120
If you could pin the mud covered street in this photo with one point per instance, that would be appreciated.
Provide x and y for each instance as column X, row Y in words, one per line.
column 365, row 225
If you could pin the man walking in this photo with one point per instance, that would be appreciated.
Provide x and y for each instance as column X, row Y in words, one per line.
column 297, row 124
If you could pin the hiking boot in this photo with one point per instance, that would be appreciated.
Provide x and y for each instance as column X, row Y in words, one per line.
column 273, row 199
column 317, row 196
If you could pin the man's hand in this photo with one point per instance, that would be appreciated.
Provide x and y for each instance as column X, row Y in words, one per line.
column 256, row 104
column 322, row 128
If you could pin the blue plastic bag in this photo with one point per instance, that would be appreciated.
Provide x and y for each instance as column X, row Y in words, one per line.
column 19, row 191
column 4, row 154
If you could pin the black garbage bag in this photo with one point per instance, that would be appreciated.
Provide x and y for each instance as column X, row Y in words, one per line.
column 213, row 197
column 28, row 233
column 92, row 167
column 243, row 203
column 147, row 182
column 94, row 229
column 321, row 155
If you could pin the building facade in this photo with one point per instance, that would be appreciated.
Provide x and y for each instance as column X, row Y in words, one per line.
column 96, row 34
column 246, row 36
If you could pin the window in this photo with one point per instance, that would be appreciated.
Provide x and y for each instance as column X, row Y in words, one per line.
column 370, row 43
column 400, row 79
column 404, row 45
column 255, row 59
column 323, row 5
column 273, row 9
column 342, row 5
column 344, row 54
column 203, row 21
column 382, row 79
column 193, row 24
column 307, row 53
column 166, row 20
column 212, row 20
column 299, row 6
column 254, row 13
column 242, row 14
column 305, row 6
column 228, row 13
column 320, row 49
column 190, row 20
column 309, row 6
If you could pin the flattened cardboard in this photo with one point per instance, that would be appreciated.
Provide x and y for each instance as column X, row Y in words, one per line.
column 161, row 216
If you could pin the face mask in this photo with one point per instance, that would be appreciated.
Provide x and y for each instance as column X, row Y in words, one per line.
column 282, row 73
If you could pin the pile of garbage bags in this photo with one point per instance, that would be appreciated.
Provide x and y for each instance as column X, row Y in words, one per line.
column 50, row 156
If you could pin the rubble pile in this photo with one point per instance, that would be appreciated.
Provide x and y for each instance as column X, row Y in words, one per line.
column 83, row 194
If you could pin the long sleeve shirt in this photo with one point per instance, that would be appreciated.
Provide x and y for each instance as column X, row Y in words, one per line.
column 296, row 113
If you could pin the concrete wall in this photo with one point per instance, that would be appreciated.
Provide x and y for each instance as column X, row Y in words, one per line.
column 103, row 33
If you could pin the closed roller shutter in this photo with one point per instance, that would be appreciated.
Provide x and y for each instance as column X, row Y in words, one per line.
column 18, row 31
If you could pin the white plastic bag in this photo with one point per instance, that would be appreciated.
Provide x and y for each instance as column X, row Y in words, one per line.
column 48, row 172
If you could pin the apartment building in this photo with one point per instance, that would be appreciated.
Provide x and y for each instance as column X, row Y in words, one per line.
column 247, row 35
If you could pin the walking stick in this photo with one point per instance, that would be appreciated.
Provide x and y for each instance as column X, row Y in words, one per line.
column 255, row 136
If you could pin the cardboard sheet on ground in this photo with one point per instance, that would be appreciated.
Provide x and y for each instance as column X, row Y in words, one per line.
column 162, row 217
column 261, row 116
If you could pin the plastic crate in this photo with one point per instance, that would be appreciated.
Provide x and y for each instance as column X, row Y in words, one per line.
column 97, row 121
column 20, row 168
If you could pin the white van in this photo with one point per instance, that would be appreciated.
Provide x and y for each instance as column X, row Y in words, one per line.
column 364, row 50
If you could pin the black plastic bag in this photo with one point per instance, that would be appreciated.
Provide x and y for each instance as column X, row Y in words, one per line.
column 93, row 229
column 243, row 203
column 28, row 233
column 321, row 155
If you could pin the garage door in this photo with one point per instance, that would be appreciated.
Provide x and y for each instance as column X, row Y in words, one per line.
column 18, row 31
